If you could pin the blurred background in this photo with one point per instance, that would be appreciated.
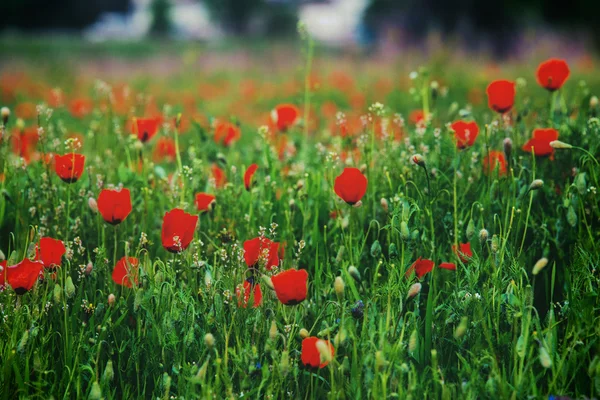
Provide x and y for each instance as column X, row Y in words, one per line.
column 501, row 29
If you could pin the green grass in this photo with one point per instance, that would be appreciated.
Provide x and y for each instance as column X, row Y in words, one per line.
column 490, row 329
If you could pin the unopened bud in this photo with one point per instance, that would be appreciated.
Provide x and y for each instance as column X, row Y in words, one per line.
column 209, row 340
column 507, row 144
column 300, row 184
column 5, row 112
column 363, row 168
column 404, row 231
column 89, row 268
column 379, row 360
column 545, row 359
column 109, row 372
column 557, row 144
column 339, row 286
column 284, row 365
column 593, row 102
column 536, row 184
column 324, row 351
column 69, row 287
column 57, row 293
column 461, row 329
column 414, row 290
column 95, row 392
column 412, row 341
column 273, row 330
column 539, row 265
column 358, row 204
column 304, row 333
column 483, row 235
column 419, row 160
column 93, row 204
column 384, row 204
column 111, row 299
column 354, row 273
column 339, row 338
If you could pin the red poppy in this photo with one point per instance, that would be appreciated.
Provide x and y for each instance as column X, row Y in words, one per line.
column 114, row 205
column 449, row 266
column 24, row 143
column 552, row 74
column 540, row 143
column 226, row 132
column 204, row 201
column 178, row 230
column 421, row 267
column 262, row 249
column 50, row 251
column 501, row 95
column 249, row 288
column 126, row 270
column 3, row 273
column 290, row 286
column 165, row 149
column 351, row 185
column 463, row 252
column 219, row 176
column 24, row 275
column 69, row 167
column 416, row 117
column 310, row 353
column 146, row 128
column 248, row 176
column 80, row 107
column 285, row 116
column 465, row 133
column 495, row 160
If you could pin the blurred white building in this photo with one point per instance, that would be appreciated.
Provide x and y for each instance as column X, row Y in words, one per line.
column 335, row 22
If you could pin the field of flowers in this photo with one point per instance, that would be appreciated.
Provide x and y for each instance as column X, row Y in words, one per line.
column 305, row 228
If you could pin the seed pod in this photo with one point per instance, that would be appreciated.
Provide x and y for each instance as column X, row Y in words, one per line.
column 354, row 273
column 539, row 265
column 69, row 287
column 338, row 286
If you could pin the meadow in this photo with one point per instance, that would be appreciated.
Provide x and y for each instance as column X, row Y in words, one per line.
column 285, row 224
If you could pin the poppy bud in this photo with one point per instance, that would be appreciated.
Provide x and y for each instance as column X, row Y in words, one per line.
column 593, row 102
column 375, row 249
column 340, row 254
column 324, row 350
column 23, row 342
column 483, row 235
column 221, row 159
column 536, row 184
column 404, row 231
column 89, row 268
column 358, row 204
column 111, row 299
column 109, row 372
column 304, row 333
column 57, row 293
column 419, row 160
column 201, row 375
column 95, row 392
column 545, row 359
column 557, row 144
column 292, row 204
column 69, row 287
column 354, row 273
column 507, row 144
column 393, row 250
column 414, row 290
column 461, row 328
column 273, row 330
column 339, row 286
column 384, row 204
column 539, row 265
column 207, row 278
column 470, row 229
column 93, row 204
column 412, row 341
column 284, row 365
column 267, row 281
column 300, row 184
column 5, row 112
column 209, row 340
column 495, row 243
column 379, row 360
column 340, row 337
column 363, row 168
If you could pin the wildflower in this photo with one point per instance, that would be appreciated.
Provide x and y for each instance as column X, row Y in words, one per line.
column 552, row 74
column 448, row 266
column 465, row 133
column 178, row 230
column 226, row 132
column 114, row 205
column 22, row 276
column 50, row 252
column 219, row 176
column 501, row 96
column 164, row 150
column 414, row 290
column 285, row 116
column 315, row 355
column 146, row 128
column 463, row 252
column 262, row 249
column 249, row 288
column 125, row 272
column 290, row 286
column 495, row 160
column 540, row 143
column 69, row 167
column 248, row 176
column 351, row 185
column 539, row 265
column 421, row 267
column 204, row 201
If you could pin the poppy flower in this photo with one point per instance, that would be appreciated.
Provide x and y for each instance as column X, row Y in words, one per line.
column 164, row 150
column 495, row 160
column 449, row 266
column 311, row 357
column 178, row 230
column 219, row 176
column 290, row 286
column 248, row 176
column 501, row 96
column 126, row 270
column 146, row 128
column 69, row 167
column 262, row 249
column 552, row 74
column 540, row 143
column 421, row 267
column 463, row 251
column 285, row 116
column 114, row 205
column 80, row 107
column 24, row 143
column 204, row 201
column 351, row 185
column 416, row 117
column 226, row 132
column 50, row 251
column 465, row 133
column 22, row 277
column 249, row 288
